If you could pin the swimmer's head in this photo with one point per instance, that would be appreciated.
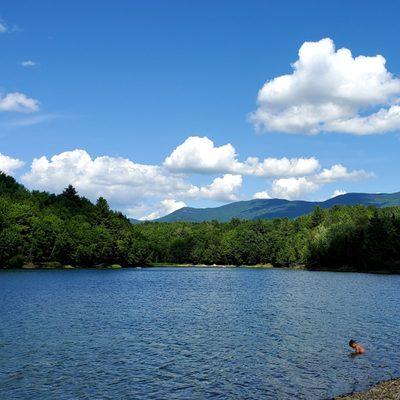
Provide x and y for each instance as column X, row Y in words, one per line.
column 352, row 343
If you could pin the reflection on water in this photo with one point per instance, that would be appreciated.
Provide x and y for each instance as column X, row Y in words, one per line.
column 194, row 333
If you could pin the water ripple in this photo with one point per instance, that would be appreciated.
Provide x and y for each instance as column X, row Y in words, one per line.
column 194, row 333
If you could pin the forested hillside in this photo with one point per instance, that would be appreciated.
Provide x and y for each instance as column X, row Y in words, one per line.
column 38, row 227
column 278, row 208
column 43, row 229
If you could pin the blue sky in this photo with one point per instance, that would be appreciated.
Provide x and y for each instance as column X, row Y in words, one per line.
column 134, row 80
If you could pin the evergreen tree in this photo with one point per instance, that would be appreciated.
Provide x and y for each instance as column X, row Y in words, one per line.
column 316, row 216
column 70, row 193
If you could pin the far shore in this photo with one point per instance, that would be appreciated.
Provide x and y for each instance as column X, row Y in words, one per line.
column 389, row 390
column 52, row 265
column 209, row 265
column 299, row 267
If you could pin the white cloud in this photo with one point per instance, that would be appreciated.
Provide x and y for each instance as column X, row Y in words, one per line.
column 118, row 179
column 221, row 189
column 384, row 120
column 3, row 27
column 8, row 164
column 330, row 91
column 292, row 188
column 261, row 195
column 274, row 167
column 295, row 188
column 18, row 102
column 338, row 192
column 339, row 172
column 28, row 63
column 165, row 207
column 121, row 181
column 200, row 155
column 134, row 188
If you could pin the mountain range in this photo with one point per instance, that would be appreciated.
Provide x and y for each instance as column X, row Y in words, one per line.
column 277, row 208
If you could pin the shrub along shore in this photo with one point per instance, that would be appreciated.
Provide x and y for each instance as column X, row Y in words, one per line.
column 43, row 230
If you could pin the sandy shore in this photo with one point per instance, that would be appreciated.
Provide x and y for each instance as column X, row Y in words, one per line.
column 389, row 390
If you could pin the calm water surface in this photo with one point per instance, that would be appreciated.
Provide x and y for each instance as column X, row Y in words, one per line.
column 174, row 333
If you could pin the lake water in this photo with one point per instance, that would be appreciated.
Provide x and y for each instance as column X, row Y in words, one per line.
column 180, row 333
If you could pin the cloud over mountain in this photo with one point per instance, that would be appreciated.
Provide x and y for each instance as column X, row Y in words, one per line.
column 165, row 207
column 133, row 187
column 296, row 188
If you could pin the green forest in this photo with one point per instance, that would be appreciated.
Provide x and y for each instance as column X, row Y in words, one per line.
column 48, row 230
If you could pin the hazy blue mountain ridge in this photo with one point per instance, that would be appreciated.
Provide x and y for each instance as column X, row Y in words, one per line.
column 277, row 208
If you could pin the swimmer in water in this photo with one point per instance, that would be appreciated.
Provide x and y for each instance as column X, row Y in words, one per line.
column 358, row 349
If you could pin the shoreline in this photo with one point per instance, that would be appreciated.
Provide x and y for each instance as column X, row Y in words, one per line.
column 300, row 267
column 389, row 390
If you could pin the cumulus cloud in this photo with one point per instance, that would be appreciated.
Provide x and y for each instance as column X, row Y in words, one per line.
column 18, row 102
column 292, row 188
column 9, row 165
column 116, row 178
column 296, row 188
column 330, row 90
column 134, row 188
column 221, row 189
column 165, row 207
column 200, row 155
column 384, row 120
column 261, row 195
column 297, row 176
column 339, row 172
column 122, row 181
column 28, row 63
column 272, row 167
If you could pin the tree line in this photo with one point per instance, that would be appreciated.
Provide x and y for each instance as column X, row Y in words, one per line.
column 39, row 228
